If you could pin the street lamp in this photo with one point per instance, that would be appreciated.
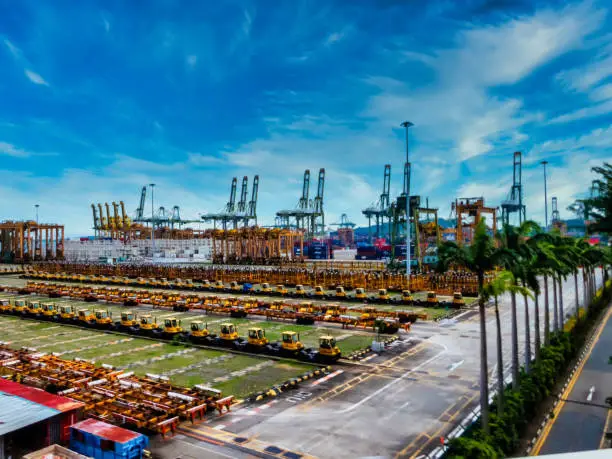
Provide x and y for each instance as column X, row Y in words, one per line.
column 544, row 163
column 407, row 125
column 36, row 206
column 152, row 185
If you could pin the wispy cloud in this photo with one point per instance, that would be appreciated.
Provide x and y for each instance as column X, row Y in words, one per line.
column 14, row 50
column 35, row 77
column 11, row 150
column 591, row 111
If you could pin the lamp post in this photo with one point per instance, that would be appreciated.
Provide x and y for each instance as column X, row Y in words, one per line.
column 36, row 206
column 407, row 125
column 152, row 185
column 544, row 163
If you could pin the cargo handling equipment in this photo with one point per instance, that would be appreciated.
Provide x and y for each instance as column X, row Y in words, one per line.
column 149, row 403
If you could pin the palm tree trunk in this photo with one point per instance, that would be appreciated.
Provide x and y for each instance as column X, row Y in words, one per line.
column 576, row 294
column 484, row 371
column 555, row 311
column 527, row 335
column 500, row 363
column 561, row 312
column 538, row 342
column 585, row 288
column 546, row 313
column 515, row 359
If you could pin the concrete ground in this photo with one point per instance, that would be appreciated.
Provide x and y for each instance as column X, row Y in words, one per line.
column 400, row 403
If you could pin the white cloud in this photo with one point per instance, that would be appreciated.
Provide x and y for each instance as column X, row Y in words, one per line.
column 12, row 150
column 583, row 113
column 601, row 93
column 16, row 52
column 198, row 159
column 457, row 108
column 334, row 38
column 35, row 77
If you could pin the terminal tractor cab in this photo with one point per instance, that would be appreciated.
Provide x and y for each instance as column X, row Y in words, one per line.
column 199, row 333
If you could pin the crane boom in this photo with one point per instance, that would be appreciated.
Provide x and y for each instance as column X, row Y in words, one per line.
column 143, row 199
column 232, row 200
column 244, row 191
column 252, row 211
column 96, row 224
column 303, row 203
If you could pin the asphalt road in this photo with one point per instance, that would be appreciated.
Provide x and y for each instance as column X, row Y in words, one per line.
column 397, row 404
column 580, row 423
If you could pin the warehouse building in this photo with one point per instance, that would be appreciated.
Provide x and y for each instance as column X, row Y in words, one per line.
column 31, row 419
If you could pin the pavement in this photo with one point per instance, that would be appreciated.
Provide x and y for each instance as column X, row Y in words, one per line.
column 401, row 403
column 582, row 415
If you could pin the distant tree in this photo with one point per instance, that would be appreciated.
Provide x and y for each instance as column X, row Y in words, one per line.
column 598, row 207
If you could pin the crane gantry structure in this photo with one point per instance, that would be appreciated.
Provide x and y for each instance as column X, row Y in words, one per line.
column 381, row 208
column 514, row 203
column 309, row 214
column 25, row 241
column 235, row 215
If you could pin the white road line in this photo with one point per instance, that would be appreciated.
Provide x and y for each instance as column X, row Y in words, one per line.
column 454, row 366
column 203, row 448
column 591, row 392
column 219, row 427
column 392, row 383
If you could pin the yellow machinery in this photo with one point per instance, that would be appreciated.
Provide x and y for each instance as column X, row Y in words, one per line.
column 328, row 351
column 219, row 285
column 128, row 320
column 33, row 308
column 306, row 308
column 360, row 293
column 172, row 327
column 235, row 286
column 407, row 296
column 103, row 318
column 290, row 342
column 265, row 288
column 458, row 301
column 368, row 314
column 281, row 290
column 333, row 310
column 148, row 324
column 19, row 306
column 319, row 291
column 199, row 332
column 432, row 299
column 340, row 293
column 5, row 306
column 49, row 310
column 383, row 295
column 85, row 316
column 228, row 334
column 257, row 338
column 300, row 291
column 66, row 312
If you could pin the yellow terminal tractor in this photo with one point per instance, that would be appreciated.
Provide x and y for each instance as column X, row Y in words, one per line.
column 5, row 306
column 147, row 325
column 33, row 308
column 228, row 335
column 340, row 293
column 103, row 319
column 66, row 312
column 256, row 340
column 432, row 299
column 328, row 350
column 290, row 343
column 458, row 301
column 407, row 297
column 19, row 307
column 128, row 322
column 360, row 294
column 49, row 311
column 199, row 333
column 85, row 317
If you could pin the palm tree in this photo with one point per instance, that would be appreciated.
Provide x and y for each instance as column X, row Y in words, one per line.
column 480, row 257
column 513, row 239
column 504, row 282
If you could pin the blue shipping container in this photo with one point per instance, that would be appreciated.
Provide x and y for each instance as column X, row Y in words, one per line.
column 100, row 440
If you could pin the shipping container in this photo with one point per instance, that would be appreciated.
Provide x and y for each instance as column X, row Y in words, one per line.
column 100, row 440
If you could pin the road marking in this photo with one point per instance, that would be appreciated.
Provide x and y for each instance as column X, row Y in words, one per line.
column 538, row 446
column 219, row 427
column 370, row 357
column 605, row 430
column 454, row 366
column 327, row 378
column 392, row 383
column 203, row 448
column 590, row 394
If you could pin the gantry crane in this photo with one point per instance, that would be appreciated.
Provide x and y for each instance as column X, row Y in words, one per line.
column 308, row 215
column 237, row 214
column 556, row 218
column 381, row 208
column 514, row 203
column 469, row 211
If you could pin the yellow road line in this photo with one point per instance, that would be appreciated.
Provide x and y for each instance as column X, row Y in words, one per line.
column 538, row 445
column 603, row 435
column 404, row 451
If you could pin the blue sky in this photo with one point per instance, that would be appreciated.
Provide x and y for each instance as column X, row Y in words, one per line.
column 100, row 98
